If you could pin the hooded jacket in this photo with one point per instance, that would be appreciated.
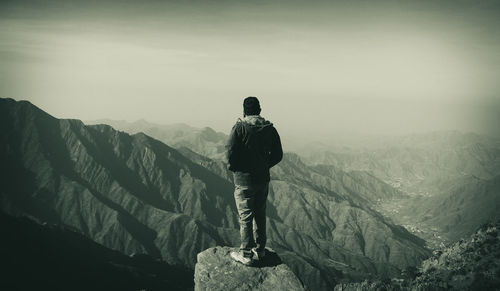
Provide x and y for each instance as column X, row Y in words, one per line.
column 254, row 146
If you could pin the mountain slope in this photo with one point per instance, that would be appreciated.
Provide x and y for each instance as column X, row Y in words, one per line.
column 418, row 163
column 134, row 194
column 48, row 257
column 447, row 181
column 204, row 141
column 469, row 264
column 358, row 188
column 457, row 212
column 126, row 192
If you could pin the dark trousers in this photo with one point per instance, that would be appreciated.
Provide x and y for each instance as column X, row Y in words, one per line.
column 251, row 204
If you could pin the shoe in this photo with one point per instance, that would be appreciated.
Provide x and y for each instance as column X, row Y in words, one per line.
column 259, row 255
column 238, row 256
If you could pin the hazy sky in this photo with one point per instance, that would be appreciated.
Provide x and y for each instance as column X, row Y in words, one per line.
column 318, row 67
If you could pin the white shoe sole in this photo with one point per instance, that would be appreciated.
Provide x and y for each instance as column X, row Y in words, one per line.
column 237, row 258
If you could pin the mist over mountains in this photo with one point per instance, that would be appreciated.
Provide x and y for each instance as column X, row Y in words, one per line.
column 165, row 191
column 449, row 179
column 204, row 141
column 442, row 185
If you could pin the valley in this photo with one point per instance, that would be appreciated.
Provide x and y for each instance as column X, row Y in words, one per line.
column 448, row 181
column 396, row 210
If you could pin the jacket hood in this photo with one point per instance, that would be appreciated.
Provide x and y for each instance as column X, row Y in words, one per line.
column 256, row 120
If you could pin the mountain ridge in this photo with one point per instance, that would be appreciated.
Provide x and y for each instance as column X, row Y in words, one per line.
column 135, row 194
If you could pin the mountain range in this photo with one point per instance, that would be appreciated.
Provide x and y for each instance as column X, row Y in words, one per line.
column 418, row 163
column 413, row 180
column 449, row 180
column 136, row 194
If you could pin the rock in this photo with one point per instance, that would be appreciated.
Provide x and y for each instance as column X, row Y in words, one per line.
column 215, row 270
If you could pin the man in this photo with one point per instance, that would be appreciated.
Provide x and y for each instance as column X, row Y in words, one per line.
column 254, row 147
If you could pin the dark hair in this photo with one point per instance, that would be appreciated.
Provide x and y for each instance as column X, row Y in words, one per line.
column 251, row 106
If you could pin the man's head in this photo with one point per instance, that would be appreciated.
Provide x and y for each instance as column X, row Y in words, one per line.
column 251, row 106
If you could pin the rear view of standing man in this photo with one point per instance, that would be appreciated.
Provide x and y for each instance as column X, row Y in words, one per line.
column 254, row 147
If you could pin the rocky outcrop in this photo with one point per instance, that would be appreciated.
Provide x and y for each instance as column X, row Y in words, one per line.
column 216, row 270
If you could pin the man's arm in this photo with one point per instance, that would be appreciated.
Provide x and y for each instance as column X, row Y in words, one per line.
column 232, row 146
column 276, row 149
